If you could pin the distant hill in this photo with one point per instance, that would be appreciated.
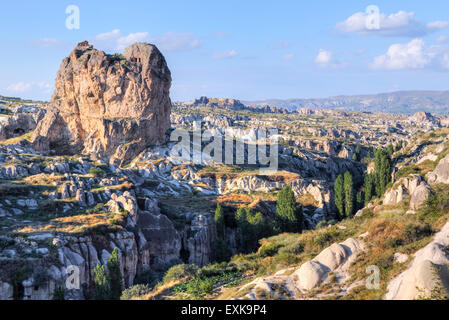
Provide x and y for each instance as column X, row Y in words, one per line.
column 407, row 102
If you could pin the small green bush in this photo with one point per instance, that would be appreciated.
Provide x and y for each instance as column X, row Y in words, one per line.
column 269, row 250
column 296, row 247
column 149, row 278
column 180, row 271
column 135, row 291
column 97, row 172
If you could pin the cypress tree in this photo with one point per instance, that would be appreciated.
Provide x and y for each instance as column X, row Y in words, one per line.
column 390, row 150
column 368, row 188
column 339, row 195
column 219, row 221
column 385, row 171
column 242, row 228
column 114, row 277
column 349, row 194
column 288, row 216
column 102, row 291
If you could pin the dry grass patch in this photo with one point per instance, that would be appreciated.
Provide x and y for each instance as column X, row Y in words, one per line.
column 307, row 199
column 16, row 140
column 235, row 200
column 79, row 224
column 44, row 179
column 163, row 290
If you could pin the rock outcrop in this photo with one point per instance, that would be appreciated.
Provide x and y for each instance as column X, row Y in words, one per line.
column 412, row 187
column 108, row 105
column 16, row 126
column 311, row 274
column 441, row 172
column 428, row 274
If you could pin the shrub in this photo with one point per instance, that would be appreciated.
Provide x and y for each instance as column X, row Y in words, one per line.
column 296, row 247
column 180, row 271
column 97, row 172
column 148, row 277
column 268, row 250
column 221, row 251
column 59, row 293
column 135, row 291
column 413, row 232
column 326, row 238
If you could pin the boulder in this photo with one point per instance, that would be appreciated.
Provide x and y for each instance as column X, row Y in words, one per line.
column 441, row 172
column 419, row 196
column 310, row 275
column 332, row 257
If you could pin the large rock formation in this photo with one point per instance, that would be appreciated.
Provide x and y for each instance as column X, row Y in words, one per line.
column 428, row 274
column 108, row 105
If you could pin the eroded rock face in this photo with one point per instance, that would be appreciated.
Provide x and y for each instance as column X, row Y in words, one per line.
column 108, row 105
column 16, row 126
column 428, row 273
column 441, row 172
column 419, row 196
column 311, row 274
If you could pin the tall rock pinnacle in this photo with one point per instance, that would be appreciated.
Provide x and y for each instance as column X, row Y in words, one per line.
column 109, row 106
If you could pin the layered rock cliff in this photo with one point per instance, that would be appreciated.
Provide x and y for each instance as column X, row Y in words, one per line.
column 108, row 105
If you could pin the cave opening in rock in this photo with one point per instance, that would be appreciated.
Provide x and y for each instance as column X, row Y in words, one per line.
column 18, row 132
column 184, row 254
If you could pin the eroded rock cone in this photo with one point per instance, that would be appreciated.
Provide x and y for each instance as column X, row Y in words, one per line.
column 108, row 105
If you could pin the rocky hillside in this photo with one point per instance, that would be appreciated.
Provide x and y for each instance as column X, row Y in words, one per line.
column 402, row 237
column 92, row 174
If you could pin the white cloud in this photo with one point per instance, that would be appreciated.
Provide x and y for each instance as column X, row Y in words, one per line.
column 397, row 24
column 413, row 55
column 21, row 87
column 445, row 61
column 224, row 54
column 114, row 40
column 324, row 58
column 50, row 43
column 288, row 57
column 170, row 41
column 177, row 42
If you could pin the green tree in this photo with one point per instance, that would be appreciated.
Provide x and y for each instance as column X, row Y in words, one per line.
column 289, row 218
column 349, row 194
column 102, row 291
column 382, row 171
column 220, row 221
column 385, row 175
column 339, row 197
column 114, row 276
column 222, row 252
column 368, row 188
column 243, row 229
column 359, row 201
column 390, row 150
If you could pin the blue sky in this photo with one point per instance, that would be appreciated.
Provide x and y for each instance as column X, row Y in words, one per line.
column 243, row 49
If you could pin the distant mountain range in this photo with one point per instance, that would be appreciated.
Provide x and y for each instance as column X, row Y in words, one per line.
column 407, row 102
